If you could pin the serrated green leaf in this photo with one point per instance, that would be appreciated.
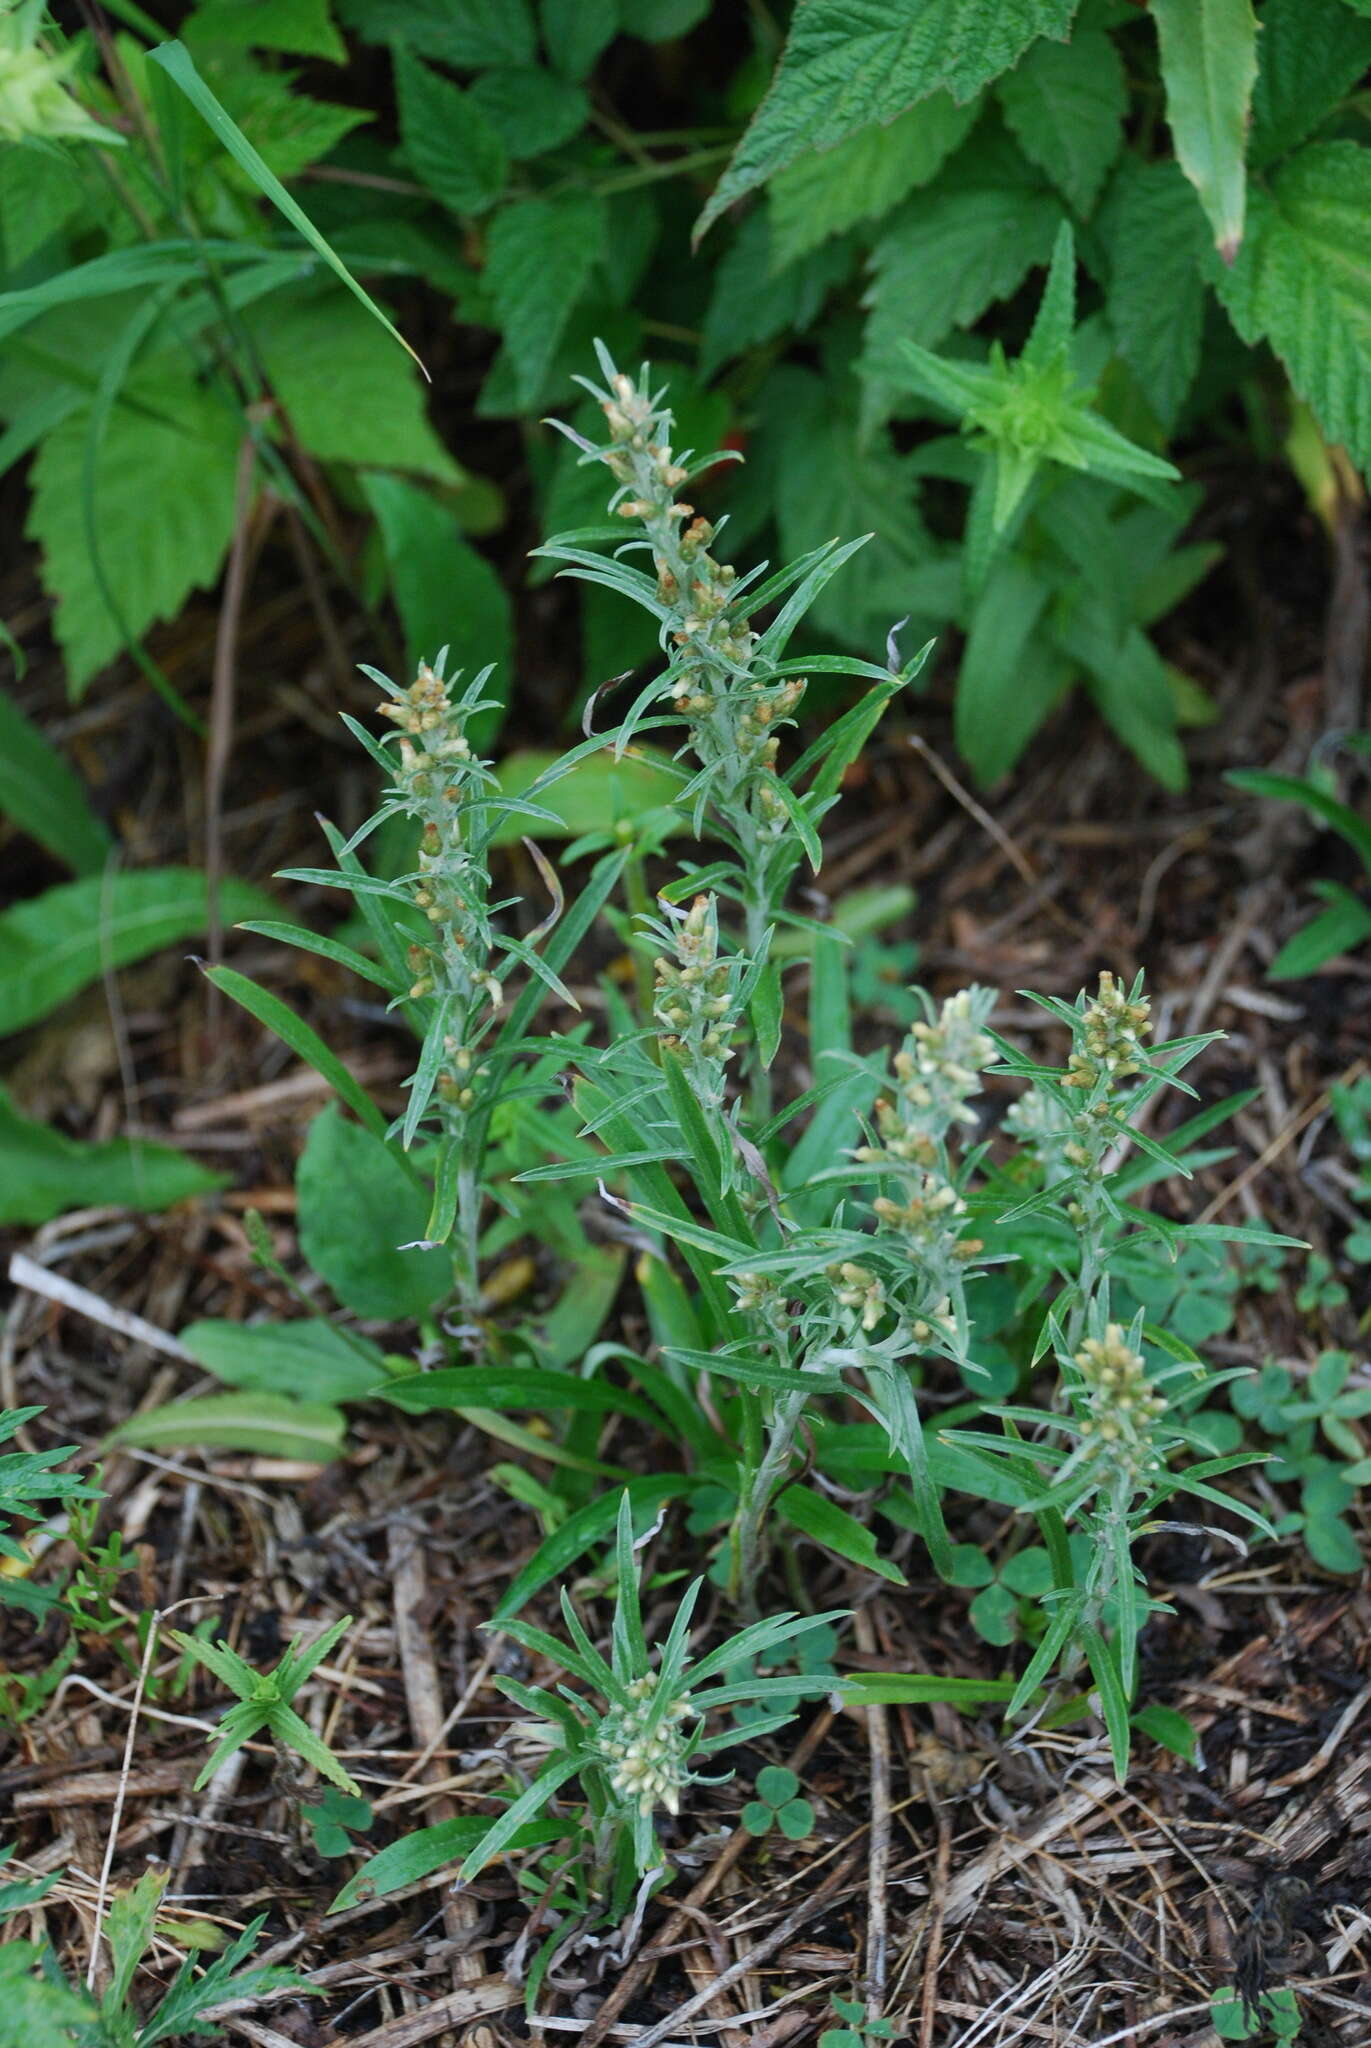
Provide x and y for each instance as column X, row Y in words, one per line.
column 39, row 193
column 44, row 798
column 1312, row 53
column 849, row 64
column 575, row 32
column 182, row 451
column 952, row 250
column 269, row 1425
column 1066, row 104
column 304, row 28
column 43, row 1172
column 289, row 130
column 531, row 109
column 467, row 33
column 749, row 304
column 1209, row 66
column 56, row 944
column 1302, row 281
column 358, row 1205
column 1155, row 229
column 450, row 143
column 350, row 396
column 827, row 191
column 447, row 594
column 540, row 258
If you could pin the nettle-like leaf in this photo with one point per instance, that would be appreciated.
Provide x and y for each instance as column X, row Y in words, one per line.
column 1302, row 281
column 450, row 143
column 1066, row 104
column 754, row 299
column 1154, row 229
column 1209, row 66
column 350, row 394
column 542, row 254
column 850, row 64
column 171, row 445
column 829, row 190
column 1313, row 52
column 953, row 249
column 468, row 33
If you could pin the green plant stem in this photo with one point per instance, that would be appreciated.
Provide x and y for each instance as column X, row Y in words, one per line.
column 466, row 1235
column 640, row 906
column 759, row 1484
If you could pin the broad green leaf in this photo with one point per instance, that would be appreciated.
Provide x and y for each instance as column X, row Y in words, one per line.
column 850, row 64
column 289, row 130
column 600, row 792
column 1342, row 819
column 660, row 21
column 1302, row 281
column 1155, row 229
column 310, row 1361
column 450, row 144
column 44, row 798
column 40, row 191
column 43, row 1172
column 1312, row 53
column 540, row 257
column 1066, row 104
column 531, row 110
column 1005, row 688
column 1209, row 66
column 132, row 1916
column 1170, row 1728
column 575, row 32
column 182, row 451
column 467, row 33
column 512, row 1386
column 358, row 1206
column 952, row 250
column 349, row 396
column 821, row 1519
column 56, row 944
column 302, row 27
column 750, row 304
column 827, row 191
column 421, row 1851
column 829, row 479
column 446, row 593
column 269, row 1425
column 1344, row 924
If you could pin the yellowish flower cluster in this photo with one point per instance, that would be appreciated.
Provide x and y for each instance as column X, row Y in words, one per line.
column 1112, row 1030
column 647, row 1763
column 1123, row 1403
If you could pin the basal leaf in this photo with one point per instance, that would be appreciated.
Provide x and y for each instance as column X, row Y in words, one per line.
column 310, row 1361
column 358, row 1206
column 43, row 1172
column 44, row 798
column 1302, row 281
column 849, row 64
column 1209, row 66
column 270, row 1425
column 820, row 1518
column 56, row 944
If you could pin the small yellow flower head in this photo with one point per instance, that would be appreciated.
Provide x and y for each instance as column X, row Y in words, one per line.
column 1122, row 1401
column 1112, row 1031
column 647, row 1765
column 857, row 1287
